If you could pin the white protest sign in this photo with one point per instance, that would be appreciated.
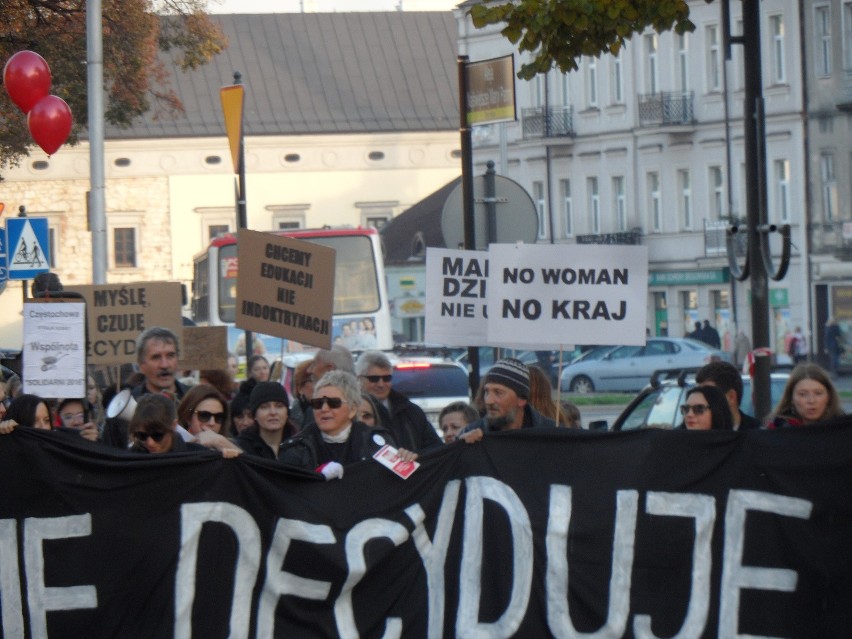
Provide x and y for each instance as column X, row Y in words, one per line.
column 455, row 297
column 567, row 294
column 54, row 350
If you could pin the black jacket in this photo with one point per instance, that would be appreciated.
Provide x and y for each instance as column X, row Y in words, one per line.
column 532, row 419
column 408, row 423
column 309, row 450
column 252, row 443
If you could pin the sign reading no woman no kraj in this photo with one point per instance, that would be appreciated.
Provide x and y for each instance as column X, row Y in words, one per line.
column 527, row 535
column 558, row 294
column 285, row 288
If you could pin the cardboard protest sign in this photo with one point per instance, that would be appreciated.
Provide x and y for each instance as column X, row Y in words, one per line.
column 204, row 347
column 456, row 297
column 285, row 288
column 559, row 294
column 53, row 354
column 118, row 313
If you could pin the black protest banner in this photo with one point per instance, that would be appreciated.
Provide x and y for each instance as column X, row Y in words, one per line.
column 549, row 534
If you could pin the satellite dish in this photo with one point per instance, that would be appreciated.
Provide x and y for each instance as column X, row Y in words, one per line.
column 516, row 216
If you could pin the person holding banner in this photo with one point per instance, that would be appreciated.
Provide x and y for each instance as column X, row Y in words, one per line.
column 809, row 397
column 706, row 409
column 29, row 411
column 74, row 416
column 506, row 392
column 157, row 351
column 269, row 406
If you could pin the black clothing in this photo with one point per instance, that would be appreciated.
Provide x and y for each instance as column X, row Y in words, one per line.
column 408, row 423
column 747, row 422
column 142, row 389
column 252, row 443
column 532, row 419
column 309, row 450
column 710, row 336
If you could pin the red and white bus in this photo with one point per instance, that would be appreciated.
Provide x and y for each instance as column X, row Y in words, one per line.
column 361, row 317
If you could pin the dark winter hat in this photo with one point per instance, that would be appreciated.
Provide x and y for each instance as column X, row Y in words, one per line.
column 267, row 392
column 513, row 374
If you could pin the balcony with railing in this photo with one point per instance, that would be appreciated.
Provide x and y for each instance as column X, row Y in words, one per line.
column 625, row 237
column 832, row 238
column 715, row 238
column 844, row 102
column 665, row 109
column 548, row 122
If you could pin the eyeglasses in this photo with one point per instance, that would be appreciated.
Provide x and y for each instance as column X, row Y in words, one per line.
column 375, row 379
column 366, row 415
column 698, row 409
column 206, row 416
column 142, row 436
column 70, row 417
column 333, row 402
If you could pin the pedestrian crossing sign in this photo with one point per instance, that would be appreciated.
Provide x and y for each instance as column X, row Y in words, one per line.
column 27, row 248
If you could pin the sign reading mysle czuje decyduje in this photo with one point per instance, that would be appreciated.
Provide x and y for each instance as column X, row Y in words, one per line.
column 285, row 288
column 536, row 295
column 54, row 350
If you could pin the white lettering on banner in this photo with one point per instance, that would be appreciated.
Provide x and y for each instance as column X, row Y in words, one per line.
column 280, row 582
column 735, row 576
column 558, row 522
column 470, row 575
column 356, row 539
column 10, row 581
column 193, row 518
column 42, row 599
column 702, row 508
column 434, row 553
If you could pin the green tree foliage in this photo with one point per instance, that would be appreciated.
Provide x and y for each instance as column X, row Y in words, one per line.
column 559, row 32
column 135, row 78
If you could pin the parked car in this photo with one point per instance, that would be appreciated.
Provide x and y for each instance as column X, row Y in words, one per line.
column 656, row 406
column 488, row 353
column 628, row 368
column 431, row 383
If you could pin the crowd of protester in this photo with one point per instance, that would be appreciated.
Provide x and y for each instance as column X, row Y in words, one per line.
column 342, row 410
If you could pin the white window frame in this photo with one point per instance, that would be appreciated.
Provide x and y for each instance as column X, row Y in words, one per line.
column 124, row 220
column 847, row 35
column 777, row 35
column 716, row 182
column 618, row 77
column 822, row 40
column 713, row 68
column 652, row 66
column 655, row 208
column 828, row 181
column 371, row 212
column 567, row 207
column 537, row 90
column 593, row 192
column 566, row 89
column 592, row 82
column 782, row 190
column 684, row 184
column 540, row 199
column 682, row 66
column 215, row 216
column 619, row 201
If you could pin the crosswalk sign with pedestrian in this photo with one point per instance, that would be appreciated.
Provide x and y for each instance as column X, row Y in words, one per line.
column 27, row 247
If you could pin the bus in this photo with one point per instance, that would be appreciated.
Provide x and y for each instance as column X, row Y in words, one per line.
column 361, row 318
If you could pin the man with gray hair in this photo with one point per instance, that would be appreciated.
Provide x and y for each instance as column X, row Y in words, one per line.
column 405, row 419
column 339, row 358
column 157, row 351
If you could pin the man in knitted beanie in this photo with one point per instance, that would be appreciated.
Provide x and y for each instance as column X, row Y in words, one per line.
column 506, row 389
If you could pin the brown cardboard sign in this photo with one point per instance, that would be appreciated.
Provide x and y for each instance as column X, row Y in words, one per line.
column 204, row 347
column 117, row 313
column 285, row 288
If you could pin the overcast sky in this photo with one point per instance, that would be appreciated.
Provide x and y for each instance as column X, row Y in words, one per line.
column 291, row 6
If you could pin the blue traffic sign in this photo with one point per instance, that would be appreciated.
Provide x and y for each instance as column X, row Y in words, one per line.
column 28, row 247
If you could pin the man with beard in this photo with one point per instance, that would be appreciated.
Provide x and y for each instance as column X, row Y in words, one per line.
column 506, row 392
column 157, row 354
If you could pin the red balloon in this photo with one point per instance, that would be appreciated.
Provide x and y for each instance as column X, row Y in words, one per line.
column 26, row 77
column 50, row 123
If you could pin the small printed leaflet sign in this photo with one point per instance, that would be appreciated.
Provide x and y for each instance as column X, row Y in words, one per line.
column 491, row 90
column 456, row 297
column 552, row 294
column 117, row 313
column 54, row 349
column 28, row 251
column 285, row 288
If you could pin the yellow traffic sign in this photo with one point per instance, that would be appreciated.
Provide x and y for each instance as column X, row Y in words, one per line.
column 232, row 105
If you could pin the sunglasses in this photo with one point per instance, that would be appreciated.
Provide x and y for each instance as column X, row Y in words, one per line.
column 698, row 409
column 375, row 379
column 333, row 402
column 206, row 416
column 142, row 436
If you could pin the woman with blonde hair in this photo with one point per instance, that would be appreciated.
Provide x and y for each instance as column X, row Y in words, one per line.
column 541, row 399
column 808, row 397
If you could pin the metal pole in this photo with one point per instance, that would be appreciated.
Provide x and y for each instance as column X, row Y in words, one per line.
column 241, row 197
column 467, row 199
column 95, row 78
column 756, row 203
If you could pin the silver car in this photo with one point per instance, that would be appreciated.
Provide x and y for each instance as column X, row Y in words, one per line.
column 628, row 368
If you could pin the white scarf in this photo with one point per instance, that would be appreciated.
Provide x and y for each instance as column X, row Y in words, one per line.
column 340, row 438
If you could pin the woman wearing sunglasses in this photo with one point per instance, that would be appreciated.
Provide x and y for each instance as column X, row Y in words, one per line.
column 203, row 408
column 706, row 408
column 336, row 435
column 269, row 405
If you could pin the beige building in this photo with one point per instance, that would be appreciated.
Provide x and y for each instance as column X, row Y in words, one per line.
column 349, row 119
